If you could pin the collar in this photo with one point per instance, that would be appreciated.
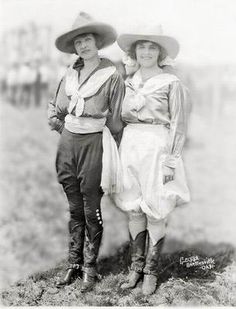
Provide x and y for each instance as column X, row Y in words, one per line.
column 79, row 63
column 151, row 85
column 161, row 78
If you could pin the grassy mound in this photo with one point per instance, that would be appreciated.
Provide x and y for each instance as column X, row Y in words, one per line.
column 178, row 284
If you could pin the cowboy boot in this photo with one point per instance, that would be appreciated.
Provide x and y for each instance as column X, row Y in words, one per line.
column 92, row 245
column 76, row 245
column 152, row 267
column 73, row 272
column 89, row 279
column 137, row 260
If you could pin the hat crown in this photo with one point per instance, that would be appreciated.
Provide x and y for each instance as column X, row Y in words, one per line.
column 153, row 34
column 82, row 20
column 83, row 24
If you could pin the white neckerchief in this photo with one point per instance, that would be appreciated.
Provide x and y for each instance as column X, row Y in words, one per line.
column 89, row 88
column 111, row 178
column 142, row 90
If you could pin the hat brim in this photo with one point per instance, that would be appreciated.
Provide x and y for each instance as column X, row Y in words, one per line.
column 107, row 34
column 170, row 44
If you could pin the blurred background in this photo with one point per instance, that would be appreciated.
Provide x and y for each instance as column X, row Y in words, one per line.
column 33, row 208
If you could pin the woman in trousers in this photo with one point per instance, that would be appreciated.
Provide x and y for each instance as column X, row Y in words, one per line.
column 155, row 112
column 87, row 112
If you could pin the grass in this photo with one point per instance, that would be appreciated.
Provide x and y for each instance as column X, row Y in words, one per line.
column 33, row 223
column 177, row 285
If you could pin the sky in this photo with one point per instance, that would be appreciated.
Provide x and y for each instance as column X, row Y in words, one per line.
column 206, row 29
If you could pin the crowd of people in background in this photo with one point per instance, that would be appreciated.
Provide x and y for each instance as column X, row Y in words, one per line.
column 32, row 82
column 30, row 78
column 28, row 83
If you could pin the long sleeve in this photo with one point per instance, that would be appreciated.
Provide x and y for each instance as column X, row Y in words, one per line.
column 116, row 96
column 56, row 114
column 178, row 125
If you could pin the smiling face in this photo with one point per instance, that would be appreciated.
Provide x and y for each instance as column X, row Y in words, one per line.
column 85, row 46
column 147, row 53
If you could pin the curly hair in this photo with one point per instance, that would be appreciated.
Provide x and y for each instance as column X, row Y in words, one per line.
column 98, row 39
column 132, row 52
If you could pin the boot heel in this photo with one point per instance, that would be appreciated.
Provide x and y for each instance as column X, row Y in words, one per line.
column 71, row 275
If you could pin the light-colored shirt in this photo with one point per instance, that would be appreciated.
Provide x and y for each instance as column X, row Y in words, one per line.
column 161, row 100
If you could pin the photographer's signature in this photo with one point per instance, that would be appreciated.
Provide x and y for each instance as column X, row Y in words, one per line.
column 196, row 261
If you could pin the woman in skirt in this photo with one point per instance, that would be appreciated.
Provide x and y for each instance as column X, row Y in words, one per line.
column 155, row 112
column 86, row 111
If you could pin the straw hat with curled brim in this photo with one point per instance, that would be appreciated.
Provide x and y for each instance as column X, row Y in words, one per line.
column 83, row 24
column 170, row 45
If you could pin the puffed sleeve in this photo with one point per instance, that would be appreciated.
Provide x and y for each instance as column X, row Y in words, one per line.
column 57, row 108
column 116, row 96
column 178, row 109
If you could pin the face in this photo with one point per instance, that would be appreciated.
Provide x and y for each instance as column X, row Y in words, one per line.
column 147, row 53
column 85, row 46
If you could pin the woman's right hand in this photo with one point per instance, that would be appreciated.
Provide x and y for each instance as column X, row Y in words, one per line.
column 168, row 174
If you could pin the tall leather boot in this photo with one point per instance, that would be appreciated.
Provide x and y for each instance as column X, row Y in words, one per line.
column 89, row 279
column 137, row 260
column 73, row 272
column 76, row 245
column 151, row 269
column 92, row 245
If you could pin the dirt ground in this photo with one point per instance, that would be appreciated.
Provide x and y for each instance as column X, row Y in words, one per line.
column 34, row 222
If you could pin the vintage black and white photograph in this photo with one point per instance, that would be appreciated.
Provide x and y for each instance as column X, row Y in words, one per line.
column 117, row 153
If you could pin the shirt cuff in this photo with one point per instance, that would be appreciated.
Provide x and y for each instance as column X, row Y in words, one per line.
column 170, row 161
column 56, row 124
column 61, row 127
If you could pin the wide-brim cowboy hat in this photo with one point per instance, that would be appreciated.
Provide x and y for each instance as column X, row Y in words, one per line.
column 82, row 25
column 170, row 44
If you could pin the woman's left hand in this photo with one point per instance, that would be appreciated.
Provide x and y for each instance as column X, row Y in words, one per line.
column 168, row 174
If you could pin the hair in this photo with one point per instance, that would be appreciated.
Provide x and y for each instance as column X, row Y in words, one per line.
column 132, row 51
column 97, row 37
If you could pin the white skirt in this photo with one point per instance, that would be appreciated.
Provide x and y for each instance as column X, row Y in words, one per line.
column 142, row 153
